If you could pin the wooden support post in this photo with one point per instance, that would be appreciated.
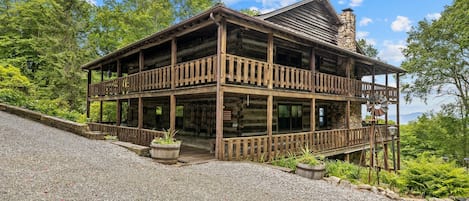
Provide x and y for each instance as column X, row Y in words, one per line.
column 348, row 122
column 270, row 98
column 100, row 111
column 88, row 104
column 173, row 62
column 141, row 63
column 386, row 156
column 119, row 68
column 347, row 157
column 172, row 112
column 312, row 64
column 140, row 112
column 119, row 112
column 221, row 65
column 102, row 73
column 398, row 122
column 270, row 110
column 312, row 115
column 270, row 58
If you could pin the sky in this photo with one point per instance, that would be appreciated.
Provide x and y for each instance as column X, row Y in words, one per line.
column 383, row 23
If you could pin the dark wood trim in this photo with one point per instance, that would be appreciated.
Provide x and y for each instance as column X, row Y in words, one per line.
column 313, row 115
column 100, row 111
column 173, row 62
column 119, row 112
column 312, row 65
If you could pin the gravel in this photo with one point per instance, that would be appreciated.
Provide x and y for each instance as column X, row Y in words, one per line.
column 42, row 163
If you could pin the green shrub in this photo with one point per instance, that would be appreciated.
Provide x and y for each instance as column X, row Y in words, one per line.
column 431, row 176
column 12, row 97
column 288, row 162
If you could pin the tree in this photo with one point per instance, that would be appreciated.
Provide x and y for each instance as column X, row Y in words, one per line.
column 368, row 48
column 437, row 59
column 250, row 12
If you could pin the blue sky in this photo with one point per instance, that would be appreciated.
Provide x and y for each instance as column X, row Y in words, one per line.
column 383, row 23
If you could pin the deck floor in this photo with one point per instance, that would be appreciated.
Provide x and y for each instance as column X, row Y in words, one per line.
column 192, row 155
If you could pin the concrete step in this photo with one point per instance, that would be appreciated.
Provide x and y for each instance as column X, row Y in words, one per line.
column 95, row 135
column 138, row 149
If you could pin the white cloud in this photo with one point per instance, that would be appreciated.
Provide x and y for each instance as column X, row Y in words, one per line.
column 365, row 21
column 433, row 16
column 362, row 34
column 401, row 23
column 392, row 52
column 342, row 2
column 355, row 3
column 262, row 11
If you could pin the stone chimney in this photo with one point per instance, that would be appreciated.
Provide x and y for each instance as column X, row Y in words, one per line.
column 346, row 37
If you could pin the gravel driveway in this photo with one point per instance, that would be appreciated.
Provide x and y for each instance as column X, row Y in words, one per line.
column 42, row 163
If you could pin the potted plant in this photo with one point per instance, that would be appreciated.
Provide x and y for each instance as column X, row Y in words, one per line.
column 309, row 166
column 166, row 149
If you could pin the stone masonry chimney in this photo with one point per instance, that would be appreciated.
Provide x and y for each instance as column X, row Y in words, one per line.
column 346, row 37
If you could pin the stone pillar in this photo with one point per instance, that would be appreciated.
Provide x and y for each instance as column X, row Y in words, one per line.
column 346, row 35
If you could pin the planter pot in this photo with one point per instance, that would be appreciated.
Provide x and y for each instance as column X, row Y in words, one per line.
column 165, row 153
column 313, row 172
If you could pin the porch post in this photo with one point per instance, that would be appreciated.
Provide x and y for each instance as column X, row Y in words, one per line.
column 312, row 115
column 119, row 112
column 398, row 122
column 172, row 112
column 386, row 151
column 118, row 101
column 270, row 98
column 221, row 65
column 101, row 102
column 140, row 112
column 348, row 123
column 312, row 65
column 88, row 95
column 172, row 98
column 173, row 62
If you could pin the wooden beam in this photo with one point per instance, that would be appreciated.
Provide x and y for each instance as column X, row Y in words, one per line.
column 270, row 59
column 119, row 112
column 313, row 115
column 386, row 156
column 398, row 122
column 221, row 64
column 100, row 111
column 347, row 120
column 173, row 62
column 140, row 112
column 88, row 105
column 270, row 110
column 172, row 112
column 312, row 65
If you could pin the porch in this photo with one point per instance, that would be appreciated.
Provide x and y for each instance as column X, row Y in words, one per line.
column 256, row 148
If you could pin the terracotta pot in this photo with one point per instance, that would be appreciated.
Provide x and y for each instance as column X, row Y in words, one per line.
column 316, row 172
column 165, row 153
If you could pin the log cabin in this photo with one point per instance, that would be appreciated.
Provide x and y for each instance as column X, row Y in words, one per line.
column 246, row 88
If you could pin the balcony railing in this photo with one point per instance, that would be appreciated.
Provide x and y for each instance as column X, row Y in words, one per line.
column 241, row 71
column 256, row 147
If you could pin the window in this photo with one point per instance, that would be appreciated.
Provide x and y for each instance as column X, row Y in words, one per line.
column 180, row 116
column 290, row 117
column 322, row 117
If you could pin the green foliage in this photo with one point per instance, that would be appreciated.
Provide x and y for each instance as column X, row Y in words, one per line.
column 437, row 63
column 431, row 176
column 168, row 137
column 307, row 157
column 288, row 162
column 368, row 48
column 12, row 97
column 435, row 133
column 250, row 12
column 12, row 78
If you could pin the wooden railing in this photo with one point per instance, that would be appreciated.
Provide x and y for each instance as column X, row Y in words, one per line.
column 239, row 70
column 257, row 147
column 243, row 70
column 286, row 77
column 199, row 71
column 127, row 134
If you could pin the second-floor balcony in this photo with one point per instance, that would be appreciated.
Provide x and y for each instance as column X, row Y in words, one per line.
column 239, row 71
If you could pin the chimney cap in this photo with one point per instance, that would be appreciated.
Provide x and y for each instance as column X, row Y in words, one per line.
column 347, row 10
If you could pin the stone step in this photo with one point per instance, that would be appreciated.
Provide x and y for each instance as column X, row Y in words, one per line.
column 138, row 149
column 95, row 135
